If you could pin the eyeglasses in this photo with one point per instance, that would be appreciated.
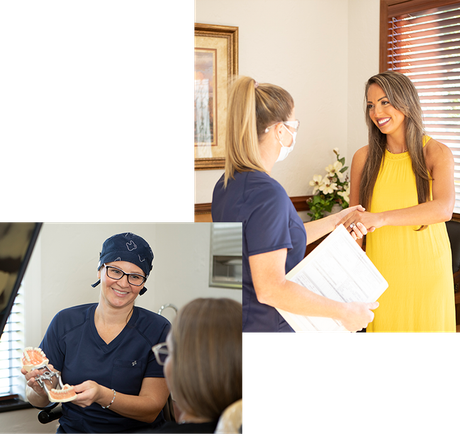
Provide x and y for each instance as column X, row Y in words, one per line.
column 291, row 123
column 133, row 278
column 161, row 353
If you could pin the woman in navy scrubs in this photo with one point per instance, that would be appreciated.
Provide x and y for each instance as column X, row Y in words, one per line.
column 104, row 349
column 261, row 130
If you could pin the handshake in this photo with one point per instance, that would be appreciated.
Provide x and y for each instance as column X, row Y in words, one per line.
column 354, row 220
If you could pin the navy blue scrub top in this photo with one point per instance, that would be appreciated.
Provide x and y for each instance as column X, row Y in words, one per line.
column 74, row 347
column 270, row 222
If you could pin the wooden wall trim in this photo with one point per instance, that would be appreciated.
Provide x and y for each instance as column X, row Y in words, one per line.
column 300, row 204
column 203, row 208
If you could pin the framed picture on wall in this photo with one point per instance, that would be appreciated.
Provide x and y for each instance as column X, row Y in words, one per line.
column 216, row 61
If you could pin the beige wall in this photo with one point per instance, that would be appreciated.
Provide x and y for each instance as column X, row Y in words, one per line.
column 64, row 265
column 322, row 52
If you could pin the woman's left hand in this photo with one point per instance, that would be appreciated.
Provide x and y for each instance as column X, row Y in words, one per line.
column 88, row 392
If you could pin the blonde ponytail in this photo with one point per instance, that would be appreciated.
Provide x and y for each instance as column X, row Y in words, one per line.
column 251, row 108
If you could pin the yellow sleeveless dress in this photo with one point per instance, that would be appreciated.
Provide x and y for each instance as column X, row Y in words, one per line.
column 416, row 265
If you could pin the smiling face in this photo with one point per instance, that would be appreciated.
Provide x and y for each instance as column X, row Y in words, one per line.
column 119, row 293
column 387, row 118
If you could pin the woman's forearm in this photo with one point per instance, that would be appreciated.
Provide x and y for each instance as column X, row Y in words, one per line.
column 318, row 228
column 294, row 298
column 273, row 289
column 140, row 408
column 431, row 212
column 144, row 407
column 297, row 299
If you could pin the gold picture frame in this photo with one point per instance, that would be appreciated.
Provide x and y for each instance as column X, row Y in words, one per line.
column 216, row 62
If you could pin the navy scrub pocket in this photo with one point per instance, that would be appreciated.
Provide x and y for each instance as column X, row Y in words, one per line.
column 127, row 376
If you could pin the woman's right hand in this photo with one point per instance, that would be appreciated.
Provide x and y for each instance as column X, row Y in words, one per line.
column 357, row 315
column 33, row 383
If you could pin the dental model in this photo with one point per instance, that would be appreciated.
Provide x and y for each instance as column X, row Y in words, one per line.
column 66, row 394
column 35, row 358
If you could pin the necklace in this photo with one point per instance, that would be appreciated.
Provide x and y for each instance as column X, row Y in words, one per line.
column 396, row 152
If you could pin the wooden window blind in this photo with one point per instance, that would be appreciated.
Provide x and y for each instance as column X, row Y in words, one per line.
column 422, row 40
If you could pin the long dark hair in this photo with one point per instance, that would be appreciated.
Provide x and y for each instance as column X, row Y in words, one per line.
column 403, row 96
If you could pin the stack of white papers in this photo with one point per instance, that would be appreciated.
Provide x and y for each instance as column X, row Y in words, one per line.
column 339, row 270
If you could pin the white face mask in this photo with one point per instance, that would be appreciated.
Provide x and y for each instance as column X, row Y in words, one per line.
column 285, row 150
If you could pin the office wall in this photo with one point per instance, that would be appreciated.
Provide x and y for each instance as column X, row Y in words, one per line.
column 322, row 52
column 64, row 265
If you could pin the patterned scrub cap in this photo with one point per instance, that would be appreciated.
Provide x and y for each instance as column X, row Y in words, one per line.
column 127, row 247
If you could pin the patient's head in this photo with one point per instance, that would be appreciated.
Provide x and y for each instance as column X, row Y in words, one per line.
column 204, row 368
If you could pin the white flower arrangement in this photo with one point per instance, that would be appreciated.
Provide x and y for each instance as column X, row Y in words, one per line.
column 332, row 189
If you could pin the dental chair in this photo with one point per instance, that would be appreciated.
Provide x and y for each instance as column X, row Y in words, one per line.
column 231, row 419
column 50, row 414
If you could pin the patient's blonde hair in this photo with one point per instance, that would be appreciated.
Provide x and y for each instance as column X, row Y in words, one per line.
column 251, row 108
column 206, row 375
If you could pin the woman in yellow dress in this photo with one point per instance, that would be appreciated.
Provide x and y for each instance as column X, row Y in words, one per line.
column 405, row 180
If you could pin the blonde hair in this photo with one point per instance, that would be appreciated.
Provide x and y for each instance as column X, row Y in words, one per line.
column 403, row 96
column 251, row 108
column 206, row 339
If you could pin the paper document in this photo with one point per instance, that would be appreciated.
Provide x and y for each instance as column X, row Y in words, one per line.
column 337, row 269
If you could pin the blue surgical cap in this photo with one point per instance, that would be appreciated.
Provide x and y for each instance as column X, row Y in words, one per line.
column 127, row 247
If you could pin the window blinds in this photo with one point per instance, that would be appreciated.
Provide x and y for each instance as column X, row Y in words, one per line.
column 425, row 46
column 11, row 347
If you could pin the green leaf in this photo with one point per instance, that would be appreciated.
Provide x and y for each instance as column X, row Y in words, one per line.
column 317, row 199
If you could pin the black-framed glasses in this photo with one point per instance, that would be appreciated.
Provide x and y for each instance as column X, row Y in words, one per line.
column 161, row 352
column 133, row 278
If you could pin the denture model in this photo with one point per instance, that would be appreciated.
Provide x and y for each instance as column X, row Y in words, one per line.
column 66, row 394
column 35, row 358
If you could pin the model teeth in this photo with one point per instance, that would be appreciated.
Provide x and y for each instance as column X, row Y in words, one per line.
column 66, row 389
column 66, row 394
column 36, row 350
column 33, row 358
column 26, row 356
